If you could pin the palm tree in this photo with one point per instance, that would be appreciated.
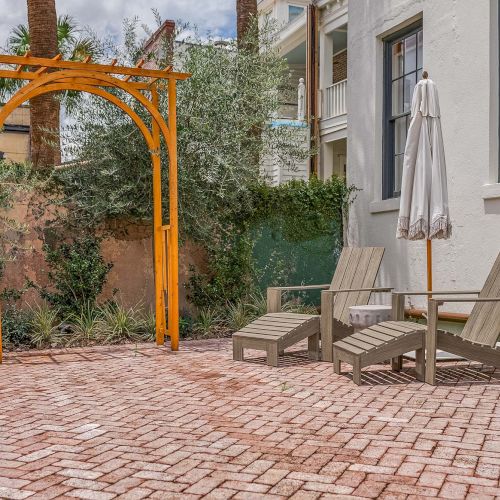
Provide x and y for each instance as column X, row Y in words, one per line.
column 44, row 109
column 246, row 12
column 74, row 46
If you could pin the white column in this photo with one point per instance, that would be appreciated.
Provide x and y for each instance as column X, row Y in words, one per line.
column 326, row 62
column 301, row 100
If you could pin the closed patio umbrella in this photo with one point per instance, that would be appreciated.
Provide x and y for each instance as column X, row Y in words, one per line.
column 423, row 212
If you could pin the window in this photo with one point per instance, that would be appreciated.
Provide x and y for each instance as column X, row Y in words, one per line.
column 294, row 12
column 403, row 69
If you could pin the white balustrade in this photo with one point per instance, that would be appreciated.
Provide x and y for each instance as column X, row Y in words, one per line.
column 335, row 100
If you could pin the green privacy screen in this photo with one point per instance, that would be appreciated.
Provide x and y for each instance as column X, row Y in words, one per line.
column 291, row 251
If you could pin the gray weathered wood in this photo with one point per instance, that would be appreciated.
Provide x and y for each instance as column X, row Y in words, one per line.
column 483, row 325
column 353, row 281
column 327, row 300
column 273, row 300
column 391, row 339
column 431, row 342
column 263, row 334
column 363, row 349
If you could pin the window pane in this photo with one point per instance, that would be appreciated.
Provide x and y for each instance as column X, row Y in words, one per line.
column 398, row 174
column 397, row 60
column 294, row 12
column 397, row 97
column 419, row 75
column 400, row 135
column 420, row 49
column 410, row 82
column 410, row 53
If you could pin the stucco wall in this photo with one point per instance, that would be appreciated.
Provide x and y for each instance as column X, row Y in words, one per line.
column 128, row 246
column 460, row 55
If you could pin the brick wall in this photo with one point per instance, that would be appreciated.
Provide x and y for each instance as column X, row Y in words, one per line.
column 161, row 43
column 340, row 66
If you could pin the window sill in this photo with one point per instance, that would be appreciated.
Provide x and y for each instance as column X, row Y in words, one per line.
column 389, row 205
column 491, row 191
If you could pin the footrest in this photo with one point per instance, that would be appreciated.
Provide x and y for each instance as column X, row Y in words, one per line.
column 274, row 332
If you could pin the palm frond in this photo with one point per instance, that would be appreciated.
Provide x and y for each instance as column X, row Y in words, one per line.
column 67, row 29
column 19, row 40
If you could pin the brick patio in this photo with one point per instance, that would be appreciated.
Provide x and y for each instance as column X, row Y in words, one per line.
column 139, row 422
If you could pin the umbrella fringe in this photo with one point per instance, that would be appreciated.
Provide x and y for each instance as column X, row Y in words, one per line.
column 440, row 228
column 402, row 230
column 419, row 230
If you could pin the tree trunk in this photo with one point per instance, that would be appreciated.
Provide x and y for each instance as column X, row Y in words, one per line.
column 44, row 109
column 246, row 11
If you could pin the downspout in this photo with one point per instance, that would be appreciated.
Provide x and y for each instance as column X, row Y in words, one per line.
column 312, row 76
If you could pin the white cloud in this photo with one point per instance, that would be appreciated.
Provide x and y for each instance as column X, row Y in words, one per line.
column 106, row 16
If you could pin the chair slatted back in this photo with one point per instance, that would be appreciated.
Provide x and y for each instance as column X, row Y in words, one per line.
column 483, row 325
column 356, row 268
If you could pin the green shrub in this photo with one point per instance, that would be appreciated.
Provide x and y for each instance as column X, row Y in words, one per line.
column 16, row 325
column 84, row 327
column 208, row 323
column 77, row 274
column 44, row 327
column 118, row 323
column 147, row 325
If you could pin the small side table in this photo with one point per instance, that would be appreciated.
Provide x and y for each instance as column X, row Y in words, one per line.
column 362, row 317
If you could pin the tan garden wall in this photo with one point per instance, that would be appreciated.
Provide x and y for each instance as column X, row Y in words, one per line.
column 129, row 249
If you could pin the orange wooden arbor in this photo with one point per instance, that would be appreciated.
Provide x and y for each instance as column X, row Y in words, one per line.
column 53, row 75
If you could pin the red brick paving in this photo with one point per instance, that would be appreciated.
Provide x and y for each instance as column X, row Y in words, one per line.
column 138, row 422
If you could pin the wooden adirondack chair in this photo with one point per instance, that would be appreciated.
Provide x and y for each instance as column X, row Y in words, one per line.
column 389, row 339
column 352, row 284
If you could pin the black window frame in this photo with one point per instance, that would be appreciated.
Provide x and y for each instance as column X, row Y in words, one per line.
column 388, row 167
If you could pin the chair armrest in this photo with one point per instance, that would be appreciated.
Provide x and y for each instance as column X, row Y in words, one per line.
column 468, row 299
column 299, row 287
column 274, row 295
column 438, row 292
column 375, row 289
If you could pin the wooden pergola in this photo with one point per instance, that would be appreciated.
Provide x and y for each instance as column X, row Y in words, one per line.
column 54, row 75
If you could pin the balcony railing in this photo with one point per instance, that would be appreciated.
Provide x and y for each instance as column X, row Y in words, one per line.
column 335, row 100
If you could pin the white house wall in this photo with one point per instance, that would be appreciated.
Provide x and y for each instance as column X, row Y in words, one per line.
column 460, row 56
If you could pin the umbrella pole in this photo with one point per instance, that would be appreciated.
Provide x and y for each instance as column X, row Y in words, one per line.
column 429, row 266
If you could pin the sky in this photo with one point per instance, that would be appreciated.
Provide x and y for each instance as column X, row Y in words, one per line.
column 105, row 16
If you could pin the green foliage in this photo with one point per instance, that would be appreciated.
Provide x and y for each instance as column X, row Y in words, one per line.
column 16, row 325
column 302, row 214
column 44, row 327
column 15, row 178
column 84, row 325
column 77, row 274
column 215, row 150
column 74, row 43
column 208, row 323
column 118, row 323
column 307, row 209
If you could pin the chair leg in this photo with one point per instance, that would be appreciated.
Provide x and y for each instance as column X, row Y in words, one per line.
column 356, row 371
column 420, row 364
column 313, row 346
column 272, row 354
column 336, row 362
column 431, row 342
column 237, row 350
column 397, row 363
